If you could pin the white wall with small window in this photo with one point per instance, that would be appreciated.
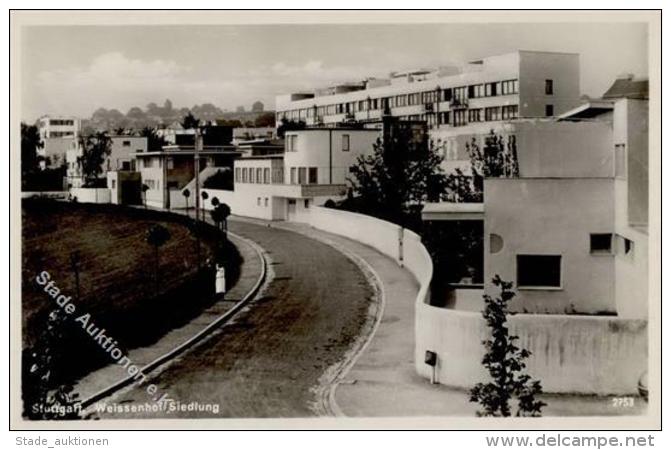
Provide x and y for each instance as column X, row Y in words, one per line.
column 553, row 242
column 324, row 156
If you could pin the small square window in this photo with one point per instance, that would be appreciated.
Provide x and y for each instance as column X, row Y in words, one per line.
column 601, row 243
column 539, row 271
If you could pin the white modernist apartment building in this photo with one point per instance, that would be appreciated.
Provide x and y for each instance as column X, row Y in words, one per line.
column 119, row 159
column 59, row 134
column 493, row 89
column 312, row 168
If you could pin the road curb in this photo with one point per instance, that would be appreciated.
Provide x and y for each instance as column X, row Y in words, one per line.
column 195, row 339
column 327, row 404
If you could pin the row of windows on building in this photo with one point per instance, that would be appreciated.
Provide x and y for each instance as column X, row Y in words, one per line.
column 462, row 117
column 61, row 122
column 259, row 175
column 544, row 271
column 60, row 134
column 454, row 95
column 292, row 142
column 303, row 175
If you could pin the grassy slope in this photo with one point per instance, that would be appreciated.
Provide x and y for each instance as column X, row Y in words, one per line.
column 116, row 269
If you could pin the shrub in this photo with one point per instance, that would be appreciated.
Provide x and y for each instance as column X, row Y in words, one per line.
column 505, row 363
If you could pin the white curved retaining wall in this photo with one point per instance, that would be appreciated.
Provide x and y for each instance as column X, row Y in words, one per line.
column 382, row 236
column 570, row 353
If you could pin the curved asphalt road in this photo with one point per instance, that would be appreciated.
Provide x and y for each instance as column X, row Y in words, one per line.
column 267, row 362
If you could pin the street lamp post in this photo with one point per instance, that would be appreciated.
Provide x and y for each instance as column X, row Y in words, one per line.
column 198, row 149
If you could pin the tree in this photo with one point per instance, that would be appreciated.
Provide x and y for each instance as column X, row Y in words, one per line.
column 225, row 213
column 233, row 123
column 157, row 235
column 187, row 193
column 155, row 142
column 496, row 159
column 95, row 150
column 221, row 179
column 45, row 397
column 505, row 363
column 30, row 143
column 267, row 119
column 190, row 122
column 220, row 215
column 145, row 188
column 402, row 173
column 217, row 216
column 289, row 125
column 257, row 106
column 204, row 195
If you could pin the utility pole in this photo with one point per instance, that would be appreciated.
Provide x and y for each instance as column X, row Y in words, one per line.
column 198, row 149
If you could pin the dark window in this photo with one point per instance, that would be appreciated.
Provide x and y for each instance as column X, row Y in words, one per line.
column 126, row 143
column 549, row 88
column 539, row 270
column 600, row 243
column 312, row 175
column 306, row 203
column 549, row 110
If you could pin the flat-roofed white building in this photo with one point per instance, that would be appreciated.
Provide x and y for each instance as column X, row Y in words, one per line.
column 494, row 89
column 312, row 169
column 59, row 127
column 120, row 158
column 570, row 227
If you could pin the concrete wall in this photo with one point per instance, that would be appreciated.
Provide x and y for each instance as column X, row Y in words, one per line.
column 584, row 354
column 553, row 217
column 121, row 149
column 382, row 236
column 249, row 201
column 92, row 195
column 56, row 150
column 581, row 354
column 631, row 208
column 564, row 149
column 562, row 68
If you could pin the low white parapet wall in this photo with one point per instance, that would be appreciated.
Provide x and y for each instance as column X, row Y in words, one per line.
column 92, row 195
column 570, row 353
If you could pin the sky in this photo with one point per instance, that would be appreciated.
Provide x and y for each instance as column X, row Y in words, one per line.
column 74, row 70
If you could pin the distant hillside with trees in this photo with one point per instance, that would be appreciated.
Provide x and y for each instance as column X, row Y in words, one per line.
column 158, row 116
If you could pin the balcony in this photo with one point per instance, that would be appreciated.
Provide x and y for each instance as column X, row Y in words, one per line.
column 457, row 103
column 453, row 211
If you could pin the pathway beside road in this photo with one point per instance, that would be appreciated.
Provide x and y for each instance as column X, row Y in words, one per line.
column 267, row 362
column 383, row 381
column 104, row 377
